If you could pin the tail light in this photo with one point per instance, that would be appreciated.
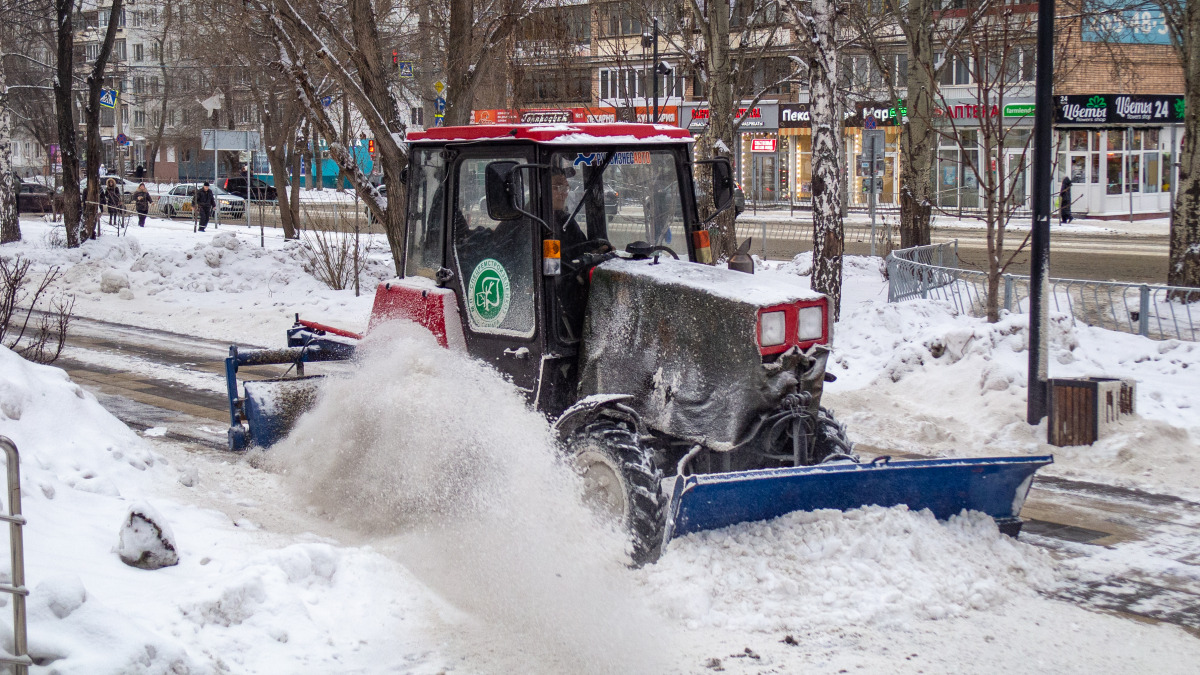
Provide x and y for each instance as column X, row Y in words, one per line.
column 801, row 325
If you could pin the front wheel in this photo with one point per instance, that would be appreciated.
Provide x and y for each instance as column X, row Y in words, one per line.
column 622, row 483
column 169, row 211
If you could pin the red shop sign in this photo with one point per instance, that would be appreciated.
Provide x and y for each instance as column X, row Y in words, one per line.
column 762, row 145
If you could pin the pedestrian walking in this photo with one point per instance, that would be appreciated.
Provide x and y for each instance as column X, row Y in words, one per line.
column 141, row 202
column 140, row 172
column 1064, row 198
column 203, row 203
column 112, row 199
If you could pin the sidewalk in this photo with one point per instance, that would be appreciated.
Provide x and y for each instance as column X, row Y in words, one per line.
column 1155, row 227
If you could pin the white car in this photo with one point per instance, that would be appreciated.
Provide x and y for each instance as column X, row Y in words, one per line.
column 178, row 202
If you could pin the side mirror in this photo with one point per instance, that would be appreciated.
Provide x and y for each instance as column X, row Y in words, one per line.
column 505, row 191
column 722, row 175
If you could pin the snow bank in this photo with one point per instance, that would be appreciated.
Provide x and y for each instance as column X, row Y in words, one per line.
column 230, row 605
column 917, row 377
column 886, row 568
column 438, row 450
column 223, row 285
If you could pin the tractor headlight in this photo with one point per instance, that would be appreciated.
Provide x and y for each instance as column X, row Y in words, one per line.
column 772, row 329
column 812, row 324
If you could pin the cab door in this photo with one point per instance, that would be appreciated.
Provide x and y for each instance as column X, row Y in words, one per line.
column 497, row 273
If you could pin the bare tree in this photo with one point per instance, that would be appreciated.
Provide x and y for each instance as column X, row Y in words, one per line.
column 349, row 51
column 64, row 106
column 1183, row 24
column 91, row 117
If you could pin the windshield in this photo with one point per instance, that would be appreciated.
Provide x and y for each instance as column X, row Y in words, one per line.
column 637, row 198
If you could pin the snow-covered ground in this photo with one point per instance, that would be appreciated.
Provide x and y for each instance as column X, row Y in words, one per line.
column 417, row 521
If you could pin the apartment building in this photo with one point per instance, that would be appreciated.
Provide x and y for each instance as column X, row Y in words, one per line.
column 591, row 61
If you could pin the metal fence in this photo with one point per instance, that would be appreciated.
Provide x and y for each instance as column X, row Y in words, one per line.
column 344, row 216
column 1158, row 312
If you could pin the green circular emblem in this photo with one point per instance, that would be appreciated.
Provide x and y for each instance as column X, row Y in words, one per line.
column 490, row 294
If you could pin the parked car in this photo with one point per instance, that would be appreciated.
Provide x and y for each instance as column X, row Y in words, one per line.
column 261, row 191
column 367, row 210
column 35, row 198
column 178, row 202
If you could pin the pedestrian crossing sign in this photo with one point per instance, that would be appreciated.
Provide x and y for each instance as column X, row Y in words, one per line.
column 406, row 68
column 108, row 98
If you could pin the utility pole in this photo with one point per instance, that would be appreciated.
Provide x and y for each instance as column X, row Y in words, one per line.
column 655, row 118
column 1039, row 273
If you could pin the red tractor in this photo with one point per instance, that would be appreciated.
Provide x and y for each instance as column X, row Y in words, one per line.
column 688, row 395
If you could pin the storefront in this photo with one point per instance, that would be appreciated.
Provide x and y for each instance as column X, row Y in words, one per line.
column 866, row 126
column 1118, row 151
column 760, row 162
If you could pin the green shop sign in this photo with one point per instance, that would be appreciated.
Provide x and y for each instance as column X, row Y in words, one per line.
column 1018, row 109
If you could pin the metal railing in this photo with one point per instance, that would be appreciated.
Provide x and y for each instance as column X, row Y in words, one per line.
column 19, row 659
column 1158, row 312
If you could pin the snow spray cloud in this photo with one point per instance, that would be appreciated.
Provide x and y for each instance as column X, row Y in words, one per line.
column 442, row 455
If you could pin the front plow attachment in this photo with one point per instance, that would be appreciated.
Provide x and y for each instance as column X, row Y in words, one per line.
column 995, row 486
column 269, row 408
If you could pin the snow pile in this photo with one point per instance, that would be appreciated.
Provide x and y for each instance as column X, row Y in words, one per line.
column 221, row 285
column 83, row 471
column 439, row 451
column 886, row 568
column 971, row 380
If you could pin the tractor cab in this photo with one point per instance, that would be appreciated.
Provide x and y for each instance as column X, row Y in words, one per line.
column 506, row 222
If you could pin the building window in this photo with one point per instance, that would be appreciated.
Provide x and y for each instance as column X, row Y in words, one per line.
column 139, row 85
column 139, row 119
column 621, row 19
column 107, row 118
column 139, row 52
column 93, row 51
column 555, row 86
column 418, row 117
column 955, row 69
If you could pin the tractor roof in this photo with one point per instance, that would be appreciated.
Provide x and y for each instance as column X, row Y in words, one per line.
column 573, row 134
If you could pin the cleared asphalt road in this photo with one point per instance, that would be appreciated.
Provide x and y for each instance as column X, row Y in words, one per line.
column 1073, row 255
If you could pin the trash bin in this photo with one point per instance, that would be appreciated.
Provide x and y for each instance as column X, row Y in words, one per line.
column 1082, row 409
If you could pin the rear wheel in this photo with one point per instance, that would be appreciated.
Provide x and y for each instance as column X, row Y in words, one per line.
column 622, row 483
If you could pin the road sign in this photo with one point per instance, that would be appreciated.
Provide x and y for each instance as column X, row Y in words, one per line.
column 122, row 139
column 326, row 101
column 438, row 120
column 108, row 98
column 406, row 68
column 866, row 185
column 439, row 87
column 439, row 104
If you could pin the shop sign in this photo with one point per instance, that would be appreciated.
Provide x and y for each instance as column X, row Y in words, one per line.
column 794, row 116
column 762, row 145
column 960, row 111
column 871, row 115
column 1117, row 109
column 547, row 117
column 1115, row 22
column 1018, row 109
column 759, row 117
column 667, row 114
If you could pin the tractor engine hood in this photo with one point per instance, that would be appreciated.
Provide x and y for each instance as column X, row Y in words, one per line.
column 682, row 338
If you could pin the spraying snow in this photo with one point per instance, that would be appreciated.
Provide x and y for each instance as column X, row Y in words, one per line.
column 439, row 452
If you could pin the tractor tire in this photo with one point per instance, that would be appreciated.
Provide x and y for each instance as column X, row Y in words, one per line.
column 622, row 481
column 831, row 436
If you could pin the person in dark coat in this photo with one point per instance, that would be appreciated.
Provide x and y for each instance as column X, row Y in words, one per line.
column 203, row 203
column 140, row 172
column 141, row 202
column 112, row 199
column 1064, row 198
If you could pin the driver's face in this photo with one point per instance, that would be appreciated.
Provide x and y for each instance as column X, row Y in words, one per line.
column 558, row 191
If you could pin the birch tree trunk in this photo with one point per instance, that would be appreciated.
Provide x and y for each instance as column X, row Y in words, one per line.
column 64, row 107
column 718, row 139
column 1184, row 255
column 827, row 177
column 919, row 140
column 10, row 223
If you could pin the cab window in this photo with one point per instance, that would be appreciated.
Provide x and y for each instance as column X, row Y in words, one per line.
column 426, row 213
column 495, row 258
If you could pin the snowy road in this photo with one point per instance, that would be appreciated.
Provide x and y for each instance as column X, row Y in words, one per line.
column 1137, row 553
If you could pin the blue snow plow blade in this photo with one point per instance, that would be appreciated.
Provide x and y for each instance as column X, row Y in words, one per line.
column 996, row 486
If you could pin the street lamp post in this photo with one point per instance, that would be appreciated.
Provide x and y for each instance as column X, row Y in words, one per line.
column 1039, row 273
